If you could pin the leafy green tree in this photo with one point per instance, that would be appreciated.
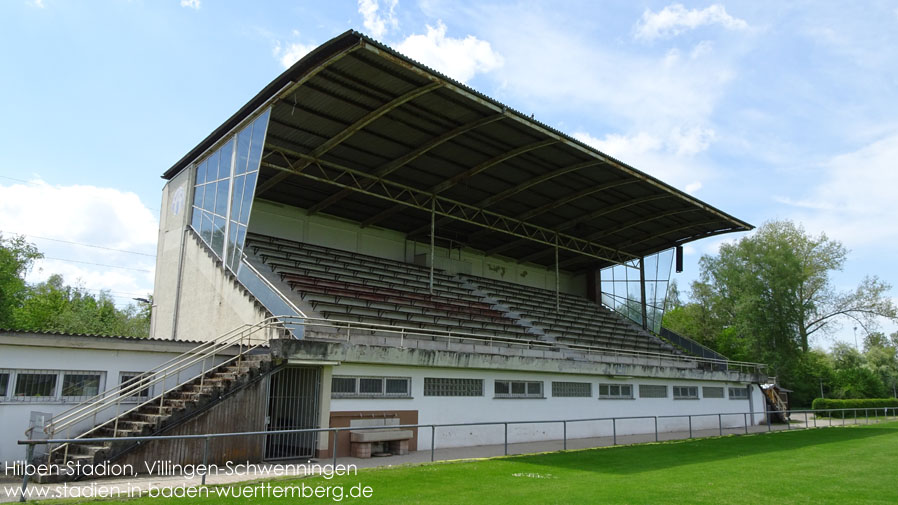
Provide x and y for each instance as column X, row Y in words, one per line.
column 55, row 306
column 773, row 290
column 16, row 258
column 881, row 354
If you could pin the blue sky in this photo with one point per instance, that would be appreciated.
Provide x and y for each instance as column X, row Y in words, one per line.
column 765, row 109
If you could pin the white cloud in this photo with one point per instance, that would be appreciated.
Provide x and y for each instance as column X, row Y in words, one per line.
column 191, row 4
column 36, row 3
column 104, row 217
column 376, row 21
column 292, row 53
column 676, row 19
column 460, row 59
column 669, row 159
column 690, row 141
column 853, row 199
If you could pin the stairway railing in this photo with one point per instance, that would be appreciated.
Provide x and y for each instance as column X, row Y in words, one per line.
column 234, row 344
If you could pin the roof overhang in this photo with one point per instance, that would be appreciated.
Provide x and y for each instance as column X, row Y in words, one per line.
column 363, row 133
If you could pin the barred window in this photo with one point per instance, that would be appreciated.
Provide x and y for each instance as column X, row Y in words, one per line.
column 571, row 389
column 615, row 391
column 738, row 393
column 439, row 386
column 712, row 392
column 370, row 387
column 685, row 392
column 129, row 380
column 518, row 389
column 80, row 385
column 652, row 391
column 4, row 384
column 36, row 385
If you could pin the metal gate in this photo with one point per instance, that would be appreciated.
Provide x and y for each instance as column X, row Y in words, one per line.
column 293, row 404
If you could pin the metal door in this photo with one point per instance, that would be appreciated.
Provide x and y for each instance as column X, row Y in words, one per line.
column 293, row 404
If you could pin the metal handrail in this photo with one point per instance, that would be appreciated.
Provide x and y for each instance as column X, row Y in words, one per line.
column 242, row 336
column 122, row 390
column 207, row 437
column 201, row 353
column 529, row 343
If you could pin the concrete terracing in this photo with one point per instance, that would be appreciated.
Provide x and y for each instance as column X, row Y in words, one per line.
column 394, row 350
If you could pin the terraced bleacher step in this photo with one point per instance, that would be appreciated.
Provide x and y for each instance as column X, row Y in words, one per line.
column 155, row 417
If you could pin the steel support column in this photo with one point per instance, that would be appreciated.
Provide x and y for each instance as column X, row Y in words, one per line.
column 645, row 324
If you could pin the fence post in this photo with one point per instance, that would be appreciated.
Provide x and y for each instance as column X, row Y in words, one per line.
column 788, row 420
column 806, row 420
column 334, row 443
column 720, row 424
column 564, row 424
column 614, row 430
column 745, row 422
column 815, row 419
column 29, row 453
column 690, row 426
column 506, row 439
column 866, row 416
column 433, row 440
column 656, row 428
column 205, row 459
column 767, row 415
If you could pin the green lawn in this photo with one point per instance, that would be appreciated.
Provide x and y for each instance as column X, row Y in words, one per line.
column 832, row 465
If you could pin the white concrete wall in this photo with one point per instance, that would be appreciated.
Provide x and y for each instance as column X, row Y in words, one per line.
column 73, row 354
column 437, row 410
column 294, row 223
column 177, row 196
column 211, row 301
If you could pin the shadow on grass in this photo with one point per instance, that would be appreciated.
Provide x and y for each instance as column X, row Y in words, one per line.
column 648, row 457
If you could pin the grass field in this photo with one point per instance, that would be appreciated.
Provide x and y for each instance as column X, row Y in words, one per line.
column 857, row 464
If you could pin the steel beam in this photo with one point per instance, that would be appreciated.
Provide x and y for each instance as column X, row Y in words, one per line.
column 574, row 222
column 391, row 166
column 368, row 184
column 467, row 174
column 352, row 129
column 512, row 191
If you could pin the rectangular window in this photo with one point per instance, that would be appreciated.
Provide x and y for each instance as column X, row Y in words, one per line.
column 343, row 386
column 615, row 391
column 712, row 392
column 80, row 385
column 36, row 385
column 4, row 384
column 652, row 391
column 571, row 389
column 370, row 387
column 518, row 389
column 131, row 380
column 434, row 386
column 685, row 392
column 738, row 393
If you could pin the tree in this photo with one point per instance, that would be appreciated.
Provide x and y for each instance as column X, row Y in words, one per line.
column 16, row 258
column 881, row 354
column 55, row 306
column 774, row 289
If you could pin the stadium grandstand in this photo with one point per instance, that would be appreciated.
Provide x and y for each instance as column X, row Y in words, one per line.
column 367, row 241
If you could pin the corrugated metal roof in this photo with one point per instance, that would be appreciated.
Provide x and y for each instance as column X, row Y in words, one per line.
column 94, row 335
column 462, row 146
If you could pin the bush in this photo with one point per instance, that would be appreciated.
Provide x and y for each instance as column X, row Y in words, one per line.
column 868, row 404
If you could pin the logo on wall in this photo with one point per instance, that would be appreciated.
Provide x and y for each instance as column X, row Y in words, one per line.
column 177, row 200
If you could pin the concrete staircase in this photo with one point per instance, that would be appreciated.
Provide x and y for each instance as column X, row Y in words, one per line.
column 156, row 416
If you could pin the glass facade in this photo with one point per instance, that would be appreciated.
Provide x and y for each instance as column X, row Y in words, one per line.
column 621, row 288
column 224, row 188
